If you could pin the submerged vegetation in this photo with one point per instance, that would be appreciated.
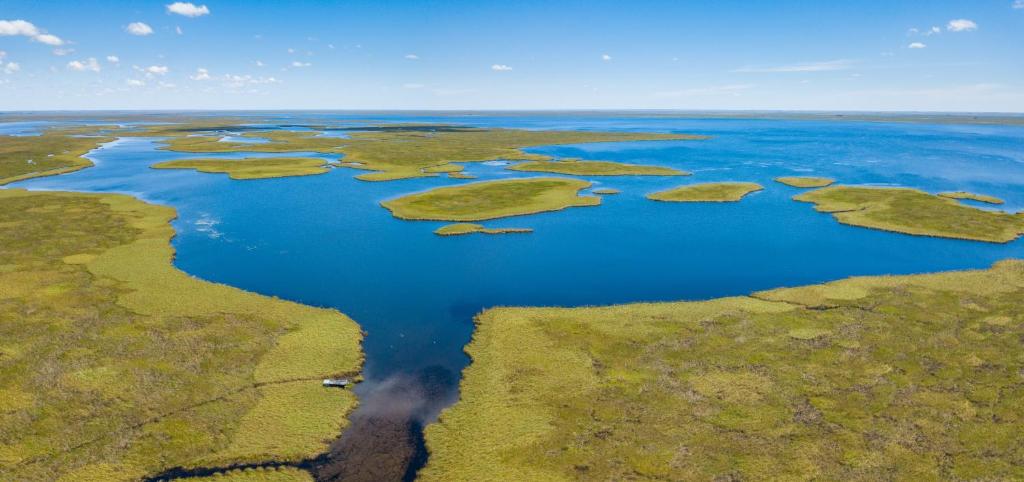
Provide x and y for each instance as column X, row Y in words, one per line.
column 971, row 196
column 595, row 168
column 805, row 182
column 114, row 365
column 911, row 211
column 403, row 151
column 54, row 151
column 470, row 228
column 708, row 192
column 252, row 168
column 492, row 199
column 905, row 378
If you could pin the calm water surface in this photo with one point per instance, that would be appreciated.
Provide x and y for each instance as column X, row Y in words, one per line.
column 324, row 240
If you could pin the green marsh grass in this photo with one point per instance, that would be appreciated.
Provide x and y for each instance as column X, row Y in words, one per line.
column 910, row 211
column 114, row 365
column 707, row 192
column 492, row 199
column 805, row 181
column 874, row 378
column 470, row 228
column 252, row 168
column 595, row 168
column 971, row 196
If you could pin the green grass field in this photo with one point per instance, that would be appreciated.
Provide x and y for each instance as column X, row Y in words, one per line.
column 595, row 168
column 114, row 365
column 470, row 228
column 252, row 168
column 399, row 151
column 971, row 196
column 877, row 378
column 492, row 199
column 916, row 212
column 707, row 192
column 55, row 151
column 805, row 182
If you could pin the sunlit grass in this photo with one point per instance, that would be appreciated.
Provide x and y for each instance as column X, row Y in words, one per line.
column 252, row 168
column 55, row 151
column 911, row 211
column 971, row 196
column 470, row 228
column 707, row 192
column 595, row 168
column 804, row 181
column 878, row 378
column 115, row 365
column 492, row 199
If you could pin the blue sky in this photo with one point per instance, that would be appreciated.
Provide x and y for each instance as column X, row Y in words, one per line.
column 730, row 54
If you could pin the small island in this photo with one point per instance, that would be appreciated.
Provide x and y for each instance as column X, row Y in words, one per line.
column 395, row 151
column 805, row 181
column 971, row 196
column 707, row 192
column 470, row 228
column 890, row 377
column 595, row 168
column 252, row 167
column 605, row 191
column 911, row 211
column 492, row 199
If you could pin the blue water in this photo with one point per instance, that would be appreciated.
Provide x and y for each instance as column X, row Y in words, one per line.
column 324, row 240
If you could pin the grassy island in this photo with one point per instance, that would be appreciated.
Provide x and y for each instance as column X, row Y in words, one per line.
column 252, row 168
column 470, row 228
column 971, row 196
column 55, row 151
column 595, row 168
column 401, row 151
column 708, row 192
column 492, row 199
column 892, row 377
column 114, row 365
column 916, row 212
column 605, row 191
column 805, row 182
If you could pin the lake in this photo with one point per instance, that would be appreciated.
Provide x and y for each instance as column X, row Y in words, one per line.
column 325, row 241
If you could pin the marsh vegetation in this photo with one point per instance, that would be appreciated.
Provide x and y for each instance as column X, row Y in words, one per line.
column 707, row 192
column 54, row 151
column 804, row 181
column 470, row 228
column 911, row 211
column 252, row 168
column 908, row 377
column 578, row 167
column 114, row 365
column 492, row 199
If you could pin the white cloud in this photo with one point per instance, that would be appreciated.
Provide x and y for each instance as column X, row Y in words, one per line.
column 961, row 25
column 301, row 64
column 11, row 67
column 1018, row 4
column 201, row 74
column 24, row 28
column 916, row 45
column 113, row 59
column 135, row 82
column 89, row 64
column 826, row 66
column 606, row 57
column 291, row 51
column 157, row 69
column 60, row 52
column 139, row 28
column 259, row 63
column 412, row 56
column 188, row 9
column 500, row 68
column 927, row 32
column 238, row 81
